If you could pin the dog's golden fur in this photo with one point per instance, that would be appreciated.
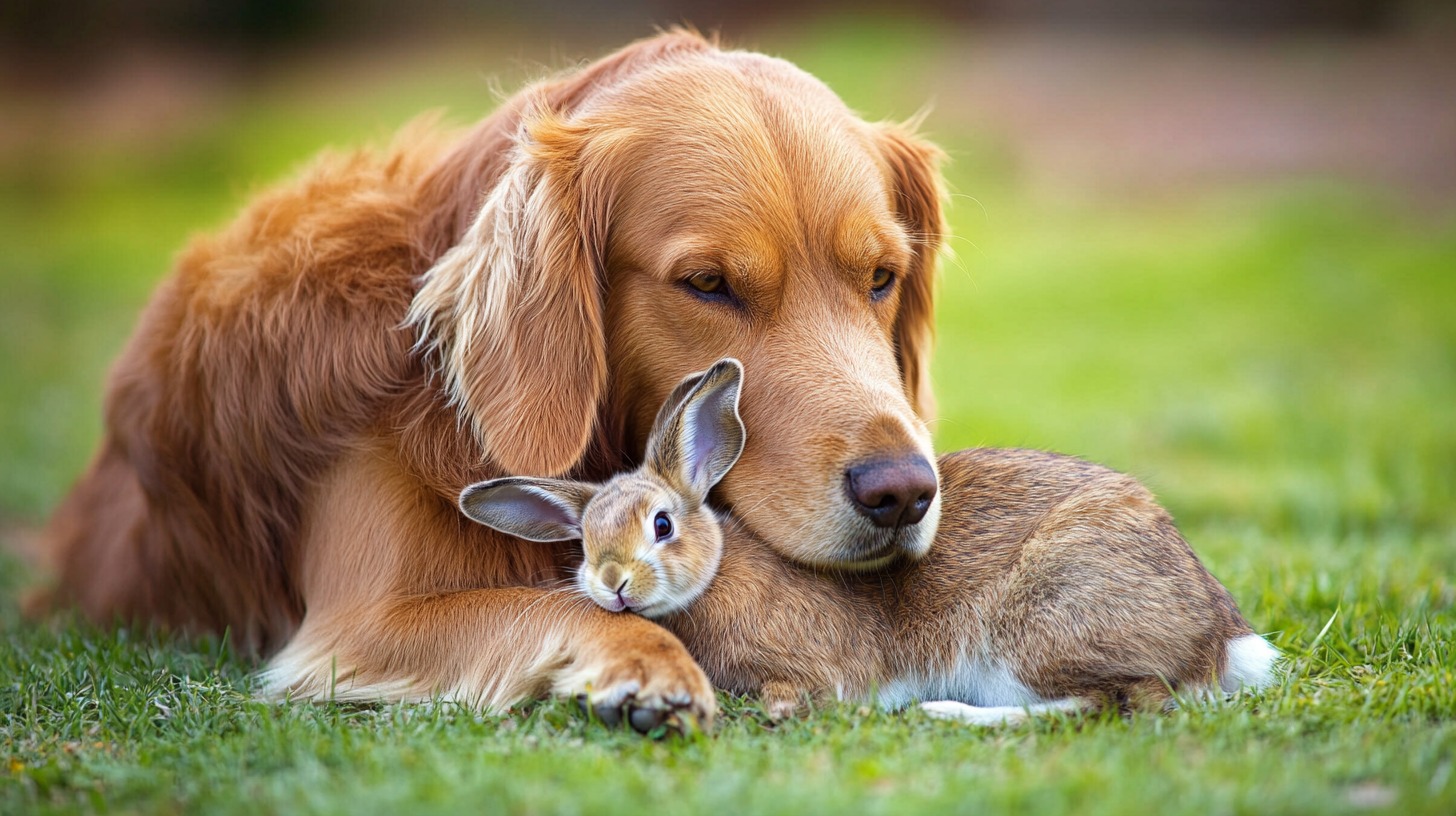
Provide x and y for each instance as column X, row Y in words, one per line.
column 302, row 401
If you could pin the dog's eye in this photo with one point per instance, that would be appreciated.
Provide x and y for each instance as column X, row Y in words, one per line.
column 662, row 526
column 711, row 286
column 880, row 282
column 709, row 283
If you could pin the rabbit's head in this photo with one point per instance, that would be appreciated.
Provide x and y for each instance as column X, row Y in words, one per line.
column 651, row 542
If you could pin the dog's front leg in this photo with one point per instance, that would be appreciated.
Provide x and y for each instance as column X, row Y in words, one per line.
column 495, row 648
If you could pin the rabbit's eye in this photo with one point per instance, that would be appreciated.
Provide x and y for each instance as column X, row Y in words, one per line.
column 662, row 526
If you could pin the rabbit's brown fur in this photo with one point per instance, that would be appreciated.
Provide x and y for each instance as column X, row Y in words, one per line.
column 1066, row 573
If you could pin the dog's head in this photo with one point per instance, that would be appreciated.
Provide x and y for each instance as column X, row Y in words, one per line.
column 675, row 204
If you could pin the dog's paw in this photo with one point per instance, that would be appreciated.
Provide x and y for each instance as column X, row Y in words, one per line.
column 647, row 681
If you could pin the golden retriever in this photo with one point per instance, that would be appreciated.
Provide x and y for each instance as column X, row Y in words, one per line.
column 304, row 398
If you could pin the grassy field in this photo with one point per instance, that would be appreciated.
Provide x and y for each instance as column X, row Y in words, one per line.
column 1277, row 361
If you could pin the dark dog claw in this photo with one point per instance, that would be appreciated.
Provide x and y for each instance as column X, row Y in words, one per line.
column 610, row 715
column 645, row 719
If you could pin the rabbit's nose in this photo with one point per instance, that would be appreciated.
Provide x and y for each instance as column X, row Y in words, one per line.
column 892, row 492
column 611, row 577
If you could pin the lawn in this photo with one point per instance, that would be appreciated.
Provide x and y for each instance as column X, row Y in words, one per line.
column 1277, row 360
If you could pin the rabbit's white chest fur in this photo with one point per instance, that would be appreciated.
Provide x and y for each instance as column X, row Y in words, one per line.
column 980, row 688
column 978, row 677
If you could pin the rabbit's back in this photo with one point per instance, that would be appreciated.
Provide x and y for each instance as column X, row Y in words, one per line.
column 1050, row 579
column 1064, row 575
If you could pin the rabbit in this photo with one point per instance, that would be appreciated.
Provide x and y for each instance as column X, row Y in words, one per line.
column 1053, row 584
column 650, row 542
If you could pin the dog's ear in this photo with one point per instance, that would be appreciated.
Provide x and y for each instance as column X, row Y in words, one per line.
column 512, row 314
column 511, row 311
column 915, row 187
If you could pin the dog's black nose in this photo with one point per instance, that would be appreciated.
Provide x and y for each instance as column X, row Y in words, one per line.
column 892, row 492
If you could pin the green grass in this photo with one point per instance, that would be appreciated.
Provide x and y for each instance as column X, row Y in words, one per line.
column 1278, row 362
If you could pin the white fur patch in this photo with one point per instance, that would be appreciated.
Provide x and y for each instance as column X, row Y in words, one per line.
column 976, row 678
column 997, row 715
column 1251, row 662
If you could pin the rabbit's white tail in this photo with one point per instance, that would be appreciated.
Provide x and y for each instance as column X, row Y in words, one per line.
column 1250, row 664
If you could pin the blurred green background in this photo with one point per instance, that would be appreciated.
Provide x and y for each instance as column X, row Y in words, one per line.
column 1219, row 258
column 1210, row 244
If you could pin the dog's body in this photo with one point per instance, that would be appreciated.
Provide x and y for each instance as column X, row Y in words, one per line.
column 302, row 401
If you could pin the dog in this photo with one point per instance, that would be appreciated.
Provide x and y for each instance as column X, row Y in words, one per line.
column 288, row 428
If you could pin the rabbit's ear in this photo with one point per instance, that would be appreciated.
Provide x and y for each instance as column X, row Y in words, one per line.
column 699, row 434
column 669, row 410
column 533, row 509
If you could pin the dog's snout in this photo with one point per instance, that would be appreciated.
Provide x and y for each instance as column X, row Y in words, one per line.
column 892, row 492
